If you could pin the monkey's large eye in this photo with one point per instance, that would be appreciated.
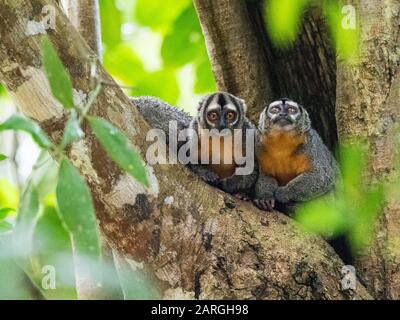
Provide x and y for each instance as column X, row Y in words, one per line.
column 212, row 116
column 292, row 110
column 275, row 110
column 230, row 116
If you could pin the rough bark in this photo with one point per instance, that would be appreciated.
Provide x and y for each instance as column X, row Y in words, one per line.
column 201, row 243
column 85, row 17
column 246, row 63
column 306, row 72
column 368, row 93
column 236, row 51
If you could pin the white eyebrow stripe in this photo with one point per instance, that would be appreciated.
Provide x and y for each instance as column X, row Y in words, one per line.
column 275, row 103
column 292, row 103
column 213, row 106
column 231, row 106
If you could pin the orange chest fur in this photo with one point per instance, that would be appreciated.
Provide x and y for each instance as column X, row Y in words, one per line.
column 278, row 156
column 220, row 157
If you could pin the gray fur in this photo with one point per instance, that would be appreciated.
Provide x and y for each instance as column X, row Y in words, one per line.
column 318, row 181
column 158, row 114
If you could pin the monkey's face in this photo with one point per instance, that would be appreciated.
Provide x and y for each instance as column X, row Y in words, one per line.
column 284, row 115
column 221, row 111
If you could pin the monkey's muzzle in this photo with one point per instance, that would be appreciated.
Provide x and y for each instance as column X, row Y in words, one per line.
column 283, row 121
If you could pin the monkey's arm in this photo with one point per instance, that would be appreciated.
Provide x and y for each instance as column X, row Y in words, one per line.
column 265, row 187
column 205, row 173
column 316, row 182
column 240, row 184
column 264, row 192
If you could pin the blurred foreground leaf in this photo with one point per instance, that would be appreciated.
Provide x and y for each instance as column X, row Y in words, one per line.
column 76, row 209
column 322, row 216
column 59, row 80
column 158, row 15
column 4, row 213
column 283, row 20
column 28, row 212
column 53, row 248
column 9, row 195
column 17, row 122
column 14, row 283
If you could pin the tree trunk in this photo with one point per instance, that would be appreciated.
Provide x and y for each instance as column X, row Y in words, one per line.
column 85, row 17
column 246, row 63
column 368, row 94
column 236, row 50
column 201, row 243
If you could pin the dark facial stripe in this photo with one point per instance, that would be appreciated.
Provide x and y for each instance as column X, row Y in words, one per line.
column 221, row 99
column 209, row 99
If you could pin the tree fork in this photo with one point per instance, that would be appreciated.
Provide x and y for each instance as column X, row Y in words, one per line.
column 203, row 244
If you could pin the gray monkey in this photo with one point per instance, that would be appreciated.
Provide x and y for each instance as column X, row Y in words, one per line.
column 219, row 111
column 294, row 163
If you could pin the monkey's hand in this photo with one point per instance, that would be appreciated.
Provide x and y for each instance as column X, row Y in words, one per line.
column 242, row 196
column 239, row 185
column 205, row 173
column 265, row 204
column 264, row 190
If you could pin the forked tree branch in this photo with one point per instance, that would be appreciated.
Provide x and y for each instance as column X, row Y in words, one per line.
column 201, row 243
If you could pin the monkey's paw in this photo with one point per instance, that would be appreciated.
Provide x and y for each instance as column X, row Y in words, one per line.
column 210, row 177
column 241, row 196
column 265, row 204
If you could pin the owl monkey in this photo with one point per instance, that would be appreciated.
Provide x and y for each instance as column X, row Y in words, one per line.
column 294, row 164
column 218, row 114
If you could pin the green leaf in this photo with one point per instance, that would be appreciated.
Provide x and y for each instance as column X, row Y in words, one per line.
column 2, row 157
column 322, row 216
column 4, row 212
column 17, row 122
column 365, row 215
column 111, row 22
column 118, row 148
column 158, row 15
column 205, row 81
column 9, row 195
column 28, row 212
column 73, row 131
column 344, row 28
column 5, row 226
column 15, row 284
column 162, row 84
column 60, row 83
column 185, row 40
column 52, row 246
column 283, row 20
column 116, row 61
column 76, row 209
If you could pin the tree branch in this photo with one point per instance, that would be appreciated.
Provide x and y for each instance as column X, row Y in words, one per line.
column 85, row 17
column 236, row 51
column 246, row 62
column 368, row 96
column 203, row 243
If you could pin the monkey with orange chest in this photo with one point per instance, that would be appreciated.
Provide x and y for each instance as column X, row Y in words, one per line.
column 294, row 164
